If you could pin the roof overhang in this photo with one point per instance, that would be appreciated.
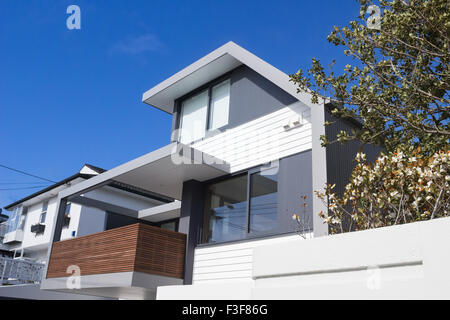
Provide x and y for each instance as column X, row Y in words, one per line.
column 212, row 66
column 161, row 172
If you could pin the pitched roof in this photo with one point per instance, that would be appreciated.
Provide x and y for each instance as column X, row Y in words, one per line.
column 80, row 174
column 211, row 66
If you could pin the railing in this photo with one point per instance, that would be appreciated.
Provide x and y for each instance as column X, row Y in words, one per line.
column 20, row 271
column 137, row 247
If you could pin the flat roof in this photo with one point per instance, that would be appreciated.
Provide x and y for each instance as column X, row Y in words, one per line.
column 161, row 172
column 211, row 66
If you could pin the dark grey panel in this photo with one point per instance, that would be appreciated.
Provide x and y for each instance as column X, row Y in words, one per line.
column 340, row 157
column 191, row 221
column 251, row 96
column 294, row 181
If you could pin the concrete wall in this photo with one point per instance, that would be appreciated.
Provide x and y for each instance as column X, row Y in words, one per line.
column 401, row 262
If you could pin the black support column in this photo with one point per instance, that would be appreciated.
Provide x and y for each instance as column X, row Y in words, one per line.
column 191, row 222
column 61, row 210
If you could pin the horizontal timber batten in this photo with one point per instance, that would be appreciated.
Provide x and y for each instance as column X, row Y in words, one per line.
column 136, row 247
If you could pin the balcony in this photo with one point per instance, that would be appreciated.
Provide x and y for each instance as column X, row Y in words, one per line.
column 127, row 262
column 13, row 237
column 20, row 271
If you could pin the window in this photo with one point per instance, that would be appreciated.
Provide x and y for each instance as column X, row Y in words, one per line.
column 44, row 211
column 220, row 105
column 242, row 207
column 169, row 225
column 193, row 117
column 227, row 210
column 207, row 110
column 67, row 212
column 17, row 219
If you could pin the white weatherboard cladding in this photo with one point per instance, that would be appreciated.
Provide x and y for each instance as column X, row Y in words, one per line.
column 262, row 140
column 232, row 262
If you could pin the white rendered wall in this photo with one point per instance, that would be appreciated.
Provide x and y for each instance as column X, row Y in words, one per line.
column 401, row 262
column 261, row 140
column 75, row 213
column 92, row 220
column 35, row 245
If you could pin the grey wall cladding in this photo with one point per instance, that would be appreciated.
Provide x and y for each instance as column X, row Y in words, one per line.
column 340, row 157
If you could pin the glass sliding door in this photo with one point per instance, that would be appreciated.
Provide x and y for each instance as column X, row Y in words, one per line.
column 226, row 210
column 263, row 202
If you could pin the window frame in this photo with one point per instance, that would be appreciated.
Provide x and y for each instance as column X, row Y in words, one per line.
column 248, row 235
column 206, row 87
column 44, row 212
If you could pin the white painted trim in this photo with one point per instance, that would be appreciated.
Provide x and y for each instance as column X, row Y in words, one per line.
column 162, row 212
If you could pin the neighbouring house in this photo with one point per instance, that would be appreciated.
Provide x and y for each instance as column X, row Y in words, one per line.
column 244, row 155
column 4, row 252
column 27, row 233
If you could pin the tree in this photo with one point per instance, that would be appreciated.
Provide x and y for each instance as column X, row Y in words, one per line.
column 398, row 85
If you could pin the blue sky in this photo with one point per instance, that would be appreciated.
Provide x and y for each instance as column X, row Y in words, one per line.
column 69, row 97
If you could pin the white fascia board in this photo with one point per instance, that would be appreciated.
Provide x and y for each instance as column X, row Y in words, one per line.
column 163, row 212
column 231, row 50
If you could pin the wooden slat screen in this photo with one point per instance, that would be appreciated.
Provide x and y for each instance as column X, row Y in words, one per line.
column 136, row 247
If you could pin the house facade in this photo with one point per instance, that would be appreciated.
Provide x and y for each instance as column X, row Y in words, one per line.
column 244, row 155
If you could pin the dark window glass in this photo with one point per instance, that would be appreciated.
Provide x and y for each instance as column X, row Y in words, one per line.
column 68, row 208
column 172, row 225
column 263, row 202
column 226, row 210
column 44, row 211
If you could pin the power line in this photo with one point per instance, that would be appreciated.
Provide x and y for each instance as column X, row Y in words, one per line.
column 26, row 173
column 23, row 188
column 13, row 183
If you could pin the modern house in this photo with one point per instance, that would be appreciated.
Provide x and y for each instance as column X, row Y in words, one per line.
column 244, row 155
column 27, row 233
